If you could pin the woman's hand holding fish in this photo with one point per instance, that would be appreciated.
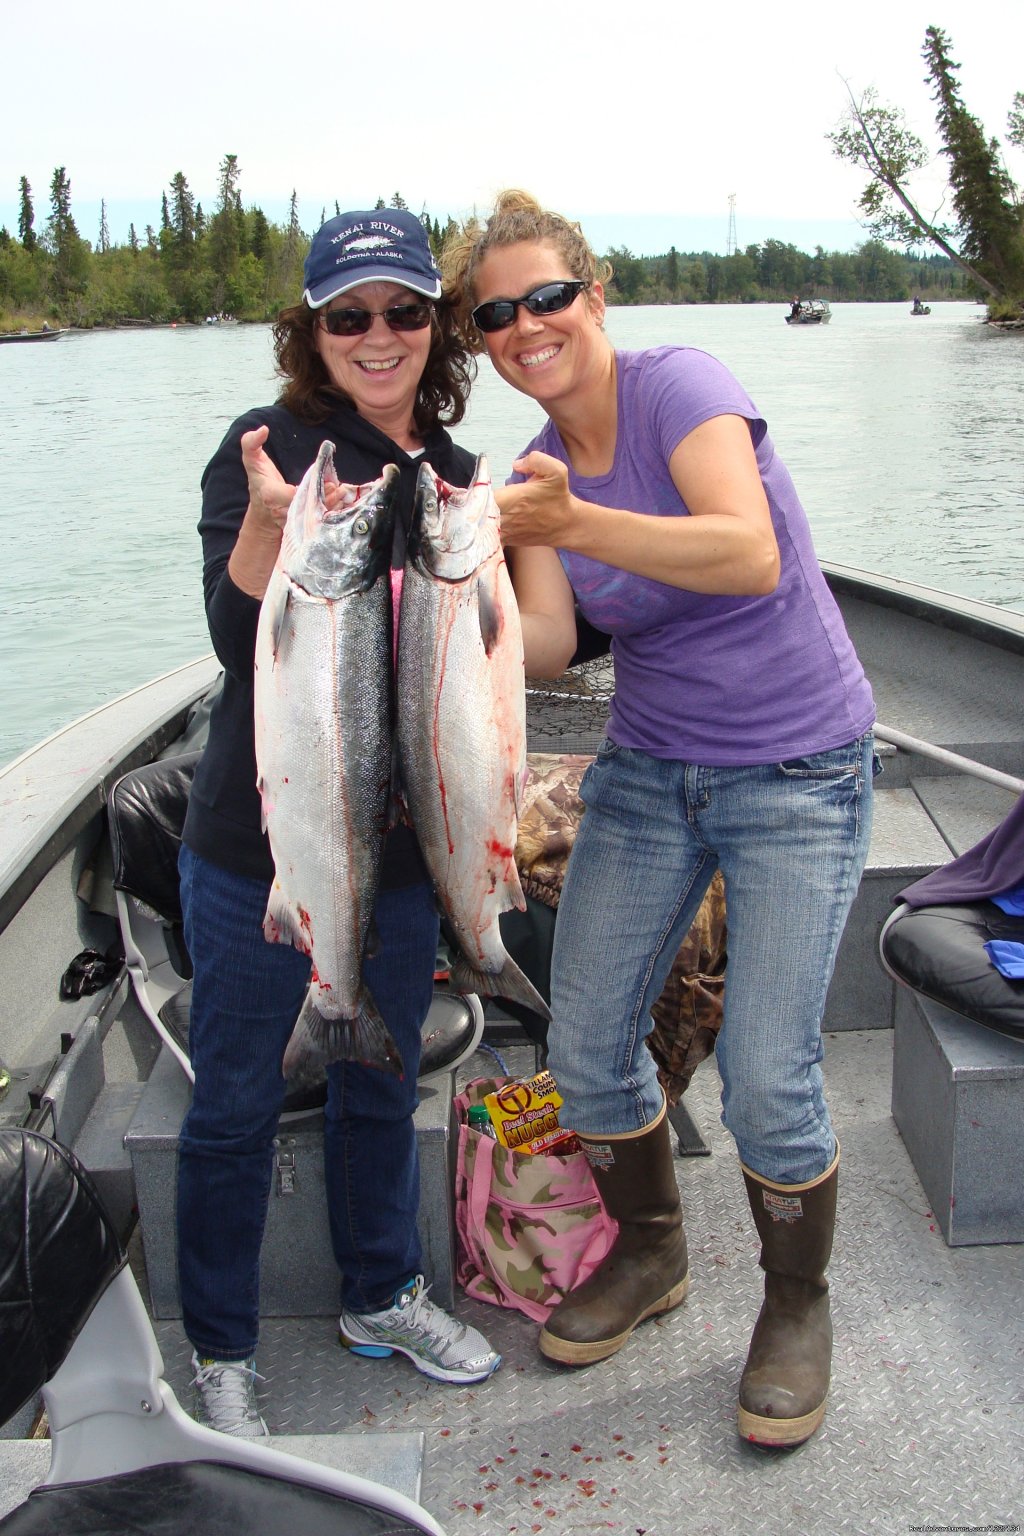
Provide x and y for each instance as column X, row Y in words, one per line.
column 540, row 510
column 259, row 538
column 270, row 495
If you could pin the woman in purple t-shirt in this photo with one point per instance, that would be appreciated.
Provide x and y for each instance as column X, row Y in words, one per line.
column 739, row 738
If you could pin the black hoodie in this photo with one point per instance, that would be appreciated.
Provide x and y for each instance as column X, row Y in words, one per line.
column 223, row 820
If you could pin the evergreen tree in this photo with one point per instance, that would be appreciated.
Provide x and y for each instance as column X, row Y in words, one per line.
column 70, row 262
column 1015, row 121
column 182, row 214
column 224, row 244
column 133, row 240
column 104, row 242
column 178, row 250
column 985, row 199
column 26, row 217
column 259, row 234
column 989, row 228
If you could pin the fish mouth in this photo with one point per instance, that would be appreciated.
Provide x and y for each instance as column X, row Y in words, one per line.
column 371, row 498
column 326, row 474
column 448, row 547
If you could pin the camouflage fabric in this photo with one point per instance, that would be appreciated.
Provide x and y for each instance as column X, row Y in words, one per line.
column 688, row 1014
column 529, row 1227
column 548, row 819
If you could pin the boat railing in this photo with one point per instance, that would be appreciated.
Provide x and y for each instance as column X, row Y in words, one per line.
column 952, row 760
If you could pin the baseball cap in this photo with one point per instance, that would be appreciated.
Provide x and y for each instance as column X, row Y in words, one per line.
column 379, row 245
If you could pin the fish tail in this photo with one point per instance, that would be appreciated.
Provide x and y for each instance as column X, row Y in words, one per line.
column 509, row 982
column 316, row 1041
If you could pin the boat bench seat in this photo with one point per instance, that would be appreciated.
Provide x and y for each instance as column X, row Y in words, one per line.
column 958, row 1066
column 958, row 1102
column 958, row 1050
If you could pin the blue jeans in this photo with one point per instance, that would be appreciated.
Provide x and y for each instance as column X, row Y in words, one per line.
column 791, row 841
column 245, row 998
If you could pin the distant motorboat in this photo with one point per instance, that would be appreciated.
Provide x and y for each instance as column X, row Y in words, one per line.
column 920, row 309
column 809, row 312
column 46, row 335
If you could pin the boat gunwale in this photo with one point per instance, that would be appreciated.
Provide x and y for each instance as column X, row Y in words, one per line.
column 33, row 844
column 988, row 622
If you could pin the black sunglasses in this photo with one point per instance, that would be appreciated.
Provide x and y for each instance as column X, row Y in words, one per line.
column 400, row 317
column 549, row 299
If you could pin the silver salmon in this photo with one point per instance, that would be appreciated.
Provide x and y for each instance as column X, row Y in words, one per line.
column 461, row 723
column 323, row 712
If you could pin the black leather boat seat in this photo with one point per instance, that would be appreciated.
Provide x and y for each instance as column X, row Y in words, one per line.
column 938, row 952
column 124, row 1454
column 146, row 814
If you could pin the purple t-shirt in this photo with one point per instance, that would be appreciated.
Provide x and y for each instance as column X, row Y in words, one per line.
column 723, row 681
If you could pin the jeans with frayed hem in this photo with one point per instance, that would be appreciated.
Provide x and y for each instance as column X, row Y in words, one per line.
column 791, row 840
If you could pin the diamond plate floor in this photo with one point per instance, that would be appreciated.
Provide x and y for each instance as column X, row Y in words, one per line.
column 926, row 1420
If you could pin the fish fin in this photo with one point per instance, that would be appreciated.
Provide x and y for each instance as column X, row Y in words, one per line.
column 260, row 790
column 398, row 811
column 489, row 608
column 282, row 923
column 278, row 617
column 513, row 888
column 317, row 1041
column 509, row 982
column 372, row 947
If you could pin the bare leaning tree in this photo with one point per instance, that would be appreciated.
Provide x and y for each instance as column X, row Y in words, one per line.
column 986, row 238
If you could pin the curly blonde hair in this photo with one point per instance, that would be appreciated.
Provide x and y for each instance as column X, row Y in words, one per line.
column 517, row 218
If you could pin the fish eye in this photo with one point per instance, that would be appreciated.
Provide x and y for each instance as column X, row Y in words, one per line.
column 362, row 525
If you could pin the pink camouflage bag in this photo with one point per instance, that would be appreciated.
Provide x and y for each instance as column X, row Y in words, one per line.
column 530, row 1226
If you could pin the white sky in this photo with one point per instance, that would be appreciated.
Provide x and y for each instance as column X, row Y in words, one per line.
column 599, row 110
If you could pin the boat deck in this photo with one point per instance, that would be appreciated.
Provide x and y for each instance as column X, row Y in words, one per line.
column 926, row 1418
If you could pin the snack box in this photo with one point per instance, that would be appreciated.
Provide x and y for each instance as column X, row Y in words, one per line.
column 524, row 1113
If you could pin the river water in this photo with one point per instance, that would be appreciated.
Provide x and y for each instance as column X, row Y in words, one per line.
column 904, row 438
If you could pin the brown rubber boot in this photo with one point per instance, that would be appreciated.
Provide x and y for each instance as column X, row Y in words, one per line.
column 646, row 1269
column 785, row 1380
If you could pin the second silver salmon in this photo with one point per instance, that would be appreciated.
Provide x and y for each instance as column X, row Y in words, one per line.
column 461, row 723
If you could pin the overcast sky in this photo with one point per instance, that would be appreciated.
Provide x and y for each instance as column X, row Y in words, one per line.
column 638, row 119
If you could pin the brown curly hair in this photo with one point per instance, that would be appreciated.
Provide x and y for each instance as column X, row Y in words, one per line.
column 310, row 394
column 517, row 218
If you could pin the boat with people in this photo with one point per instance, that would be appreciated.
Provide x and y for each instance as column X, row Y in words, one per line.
column 46, row 334
column 809, row 312
column 917, row 308
column 924, row 1419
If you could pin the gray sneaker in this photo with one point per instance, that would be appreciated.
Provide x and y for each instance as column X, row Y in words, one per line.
column 225, row 1397
column 435, row 1343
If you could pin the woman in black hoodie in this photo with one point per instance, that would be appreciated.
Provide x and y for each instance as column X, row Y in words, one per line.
column 371, row 361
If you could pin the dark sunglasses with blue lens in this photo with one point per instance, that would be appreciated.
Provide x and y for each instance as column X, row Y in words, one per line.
column 549, row 299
